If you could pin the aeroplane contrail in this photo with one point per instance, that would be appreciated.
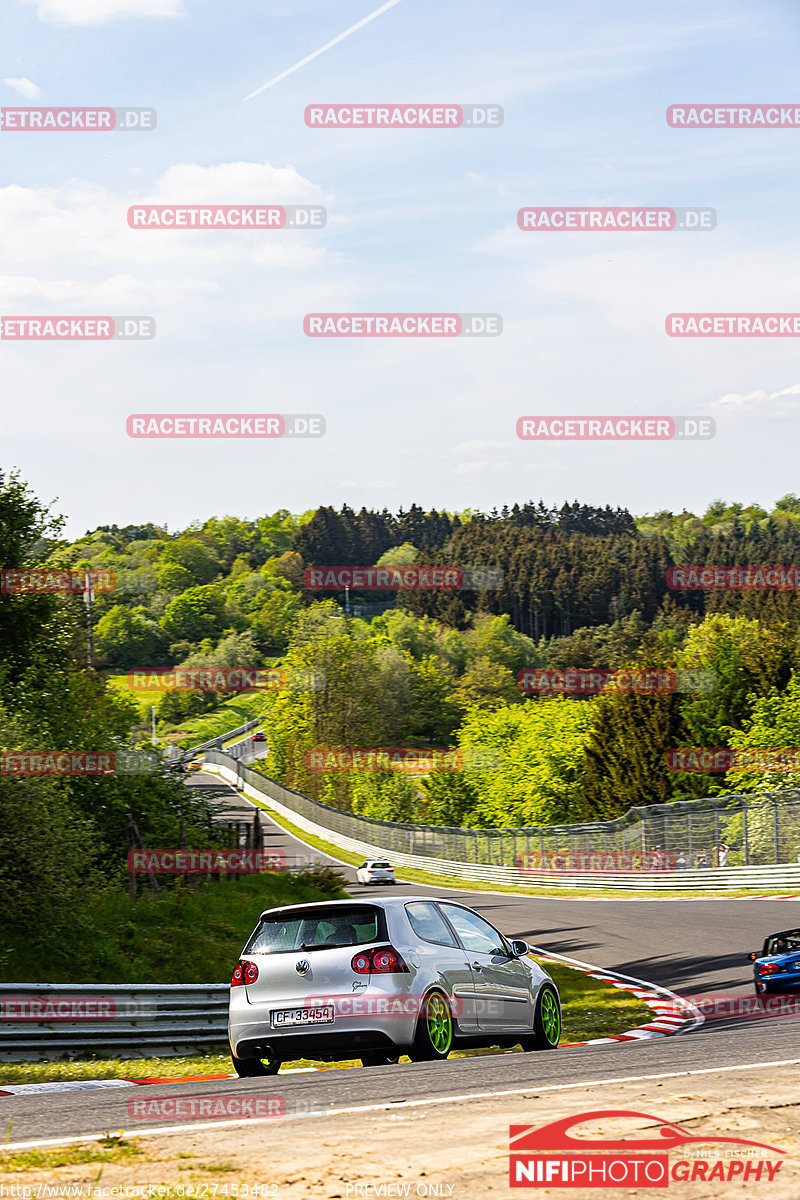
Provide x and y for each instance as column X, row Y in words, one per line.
column 309, row 57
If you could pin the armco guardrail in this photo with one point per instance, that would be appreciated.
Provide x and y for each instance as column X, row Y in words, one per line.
column 59, row 1020
column 222, row 737
column 501, row 855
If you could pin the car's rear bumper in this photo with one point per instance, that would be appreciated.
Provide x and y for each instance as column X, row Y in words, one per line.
column 788, row 981
column 345, row 1036
column 312, row 1044
column 361, row 1021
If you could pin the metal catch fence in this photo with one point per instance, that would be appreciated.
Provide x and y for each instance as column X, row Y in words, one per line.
column 762, row 829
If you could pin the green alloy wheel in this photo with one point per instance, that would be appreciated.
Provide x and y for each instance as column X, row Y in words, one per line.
column 547, row 1022
column 434, row 1037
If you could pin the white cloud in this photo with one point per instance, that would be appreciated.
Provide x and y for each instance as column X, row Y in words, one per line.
column 482, row 468
column 769, row 404
column 370, row 485
column 100, row 12
column 81, row 227
column 25, row 87
column 478, row 447
column 114, row 294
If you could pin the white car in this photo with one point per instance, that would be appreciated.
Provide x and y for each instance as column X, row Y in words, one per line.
column 375, row 870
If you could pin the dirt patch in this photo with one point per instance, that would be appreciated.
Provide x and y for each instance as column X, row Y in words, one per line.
column 456, row 1149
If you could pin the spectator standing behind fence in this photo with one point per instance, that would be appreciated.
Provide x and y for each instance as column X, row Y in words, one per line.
column 722, row 854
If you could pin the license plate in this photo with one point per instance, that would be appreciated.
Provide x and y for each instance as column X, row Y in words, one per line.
column 282, row 1017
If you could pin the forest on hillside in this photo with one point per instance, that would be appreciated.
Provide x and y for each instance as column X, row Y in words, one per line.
column 578, row 587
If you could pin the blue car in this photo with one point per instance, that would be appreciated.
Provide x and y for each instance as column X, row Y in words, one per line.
column 777, row 967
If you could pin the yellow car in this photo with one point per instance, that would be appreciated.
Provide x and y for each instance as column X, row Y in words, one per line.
column 196, row 764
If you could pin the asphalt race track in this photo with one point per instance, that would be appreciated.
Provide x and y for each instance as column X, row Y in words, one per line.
column 696, row 948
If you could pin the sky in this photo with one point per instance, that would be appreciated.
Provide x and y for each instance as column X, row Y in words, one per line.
column 418, row 221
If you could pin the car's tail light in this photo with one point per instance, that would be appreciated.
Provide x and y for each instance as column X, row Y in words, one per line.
column 770, row 969
column 244, row 972
column 381, row 961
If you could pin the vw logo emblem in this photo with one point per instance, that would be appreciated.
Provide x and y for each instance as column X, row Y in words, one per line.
column 302, row 967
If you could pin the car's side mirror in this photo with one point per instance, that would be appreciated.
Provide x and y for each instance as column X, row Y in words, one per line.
column 752, row 957
column 519, row 949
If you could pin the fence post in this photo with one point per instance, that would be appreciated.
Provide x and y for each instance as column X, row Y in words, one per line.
column 777, row 829
column 182, row 842
column 129, row 846
column 746, row 843
column 716, row 833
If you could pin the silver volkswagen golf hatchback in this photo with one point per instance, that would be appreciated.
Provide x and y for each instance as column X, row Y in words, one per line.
column 376, row 979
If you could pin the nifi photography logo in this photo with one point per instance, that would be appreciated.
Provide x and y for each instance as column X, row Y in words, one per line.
column 551, row 1157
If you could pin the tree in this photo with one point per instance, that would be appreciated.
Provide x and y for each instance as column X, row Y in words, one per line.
column 746, row 661
column 197, row 613
column 273, row 622
column 626, row 753
column 434, row 713
column 774, row 726
column 174, row 578
column 385, row 796
column 27, row 619
column 525, row 764
column 404, row 555
column 41, row 874
column 450, row 799
column 199, row 559
column 128, row 637
column 486, row 684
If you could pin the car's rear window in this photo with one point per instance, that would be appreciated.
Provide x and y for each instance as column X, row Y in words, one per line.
column 317, row 929
column 383, row 866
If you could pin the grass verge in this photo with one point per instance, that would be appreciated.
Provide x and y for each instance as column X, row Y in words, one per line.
column 184, row 935
column 108, row 1150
